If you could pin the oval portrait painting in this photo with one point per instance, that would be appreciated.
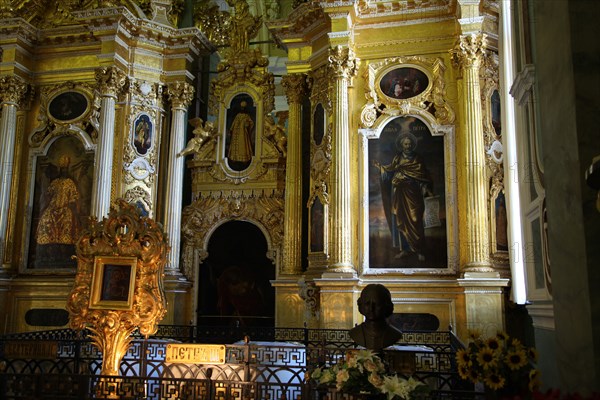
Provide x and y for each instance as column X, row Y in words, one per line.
column 404, row 83
column 68, row 106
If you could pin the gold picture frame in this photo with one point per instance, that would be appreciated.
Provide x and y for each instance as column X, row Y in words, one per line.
column 113, row 283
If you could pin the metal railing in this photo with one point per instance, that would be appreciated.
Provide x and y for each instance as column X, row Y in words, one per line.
column 64, row 364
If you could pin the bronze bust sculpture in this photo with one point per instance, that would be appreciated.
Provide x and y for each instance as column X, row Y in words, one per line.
column 375, row 303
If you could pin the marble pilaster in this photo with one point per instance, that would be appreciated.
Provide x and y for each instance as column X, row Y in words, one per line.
column 12, row 90
column 111, row 82
column 295, row 88
column 181, row 95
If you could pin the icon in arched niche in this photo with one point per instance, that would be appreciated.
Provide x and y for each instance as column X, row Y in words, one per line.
column 61, row 203
column 403, row 83
column 241, row 132
column 407, row 218
column 142, row 134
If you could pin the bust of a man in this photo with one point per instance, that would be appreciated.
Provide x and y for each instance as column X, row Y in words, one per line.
column 375, row 303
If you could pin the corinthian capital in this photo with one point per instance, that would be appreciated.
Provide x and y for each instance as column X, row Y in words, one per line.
column 180, row 93
column 470, row 50
column 295, row 87
column 342, row 62
column 110, row 80
column 12, row 89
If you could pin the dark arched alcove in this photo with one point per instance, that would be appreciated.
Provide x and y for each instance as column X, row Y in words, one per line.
column 234, row 280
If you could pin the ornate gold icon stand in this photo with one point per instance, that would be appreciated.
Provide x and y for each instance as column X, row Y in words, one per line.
column 118, row 286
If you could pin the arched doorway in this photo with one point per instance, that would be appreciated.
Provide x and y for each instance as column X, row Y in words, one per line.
column 234, row 280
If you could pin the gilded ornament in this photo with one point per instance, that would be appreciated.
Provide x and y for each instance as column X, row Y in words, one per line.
column 123, row 235
column 181, row 94
column 275, row 133
column 212, row 21
column 295, row 87
column 139, row 194
column 210, row 210
column 368, row 115
column 204, row 132
column 12, row 89
column 342, row 62
column 470, row 50
column 310, row 293
column 110, row 80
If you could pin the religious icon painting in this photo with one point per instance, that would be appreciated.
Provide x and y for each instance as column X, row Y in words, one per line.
column 318, row 124
column 240, row 132
column 501, row 223
column 317, row 226
column 113, row 283
column 403, row 83
column 142, row 134
column 407, row 206
column 62, row 193
column 495, row 112
column 68, row 107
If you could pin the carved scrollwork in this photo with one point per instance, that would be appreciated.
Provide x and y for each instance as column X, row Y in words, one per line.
column 319, row 88
column 123, row 234
column 368, row 115
column 426, row 96
column 310, row 293
column 342, row 62
column 181, row 94
column 470, row 50
column 111, row 81
column 295, row 87
column 139, row 194
column 86, row 122
column 206, row 212
column 13, row 89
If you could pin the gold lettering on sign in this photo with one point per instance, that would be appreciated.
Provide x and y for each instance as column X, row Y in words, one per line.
column 31, row 349
column 195, row 353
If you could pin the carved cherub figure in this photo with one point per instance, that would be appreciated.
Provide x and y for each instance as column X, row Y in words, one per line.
column 275, row 132
column 203, row 133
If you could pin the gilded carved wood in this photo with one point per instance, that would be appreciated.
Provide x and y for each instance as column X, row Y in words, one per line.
column 238, row 158
column 111, row 316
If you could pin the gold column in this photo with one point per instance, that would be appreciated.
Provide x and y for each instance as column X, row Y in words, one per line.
column 343, row 67
column 110, row 81
column 12, row 91
column 181, row 95
column 295, row 89
column 468, row 54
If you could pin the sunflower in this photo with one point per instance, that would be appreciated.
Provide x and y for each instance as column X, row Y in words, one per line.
column 493, row 343
column 515, row 359
column 486, row 358
column 474, row 333
column 495, row 381
column 502, row 336
column 463, row 371
column 534, row 380
column 473, row 375
column 463, row 358
column 532, row 354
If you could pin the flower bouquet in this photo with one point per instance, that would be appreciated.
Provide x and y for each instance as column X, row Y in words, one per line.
column 363, row 373
column 504, row 366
